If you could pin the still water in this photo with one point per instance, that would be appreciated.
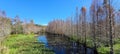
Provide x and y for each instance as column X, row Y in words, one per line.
column 61, row 45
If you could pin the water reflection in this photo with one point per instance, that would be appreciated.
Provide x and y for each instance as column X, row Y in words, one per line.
column 62, row 45
column 43, row 39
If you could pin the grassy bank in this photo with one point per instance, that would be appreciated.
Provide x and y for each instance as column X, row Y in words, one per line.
column 23, row 44
column 102, row 49
column 106, row 50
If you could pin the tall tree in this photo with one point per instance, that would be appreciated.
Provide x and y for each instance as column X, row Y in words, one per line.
column 93, row 24
column 83, row 19
column 111, row 25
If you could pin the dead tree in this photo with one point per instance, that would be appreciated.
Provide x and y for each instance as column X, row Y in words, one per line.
column 83, row 13
column 111, row 25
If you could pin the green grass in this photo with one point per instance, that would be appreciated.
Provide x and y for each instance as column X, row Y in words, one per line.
column 106, row 50
column 101, row 49
column 24, row 44
column 89, row 41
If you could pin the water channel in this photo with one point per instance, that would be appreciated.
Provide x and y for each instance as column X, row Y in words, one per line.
column 61, row 45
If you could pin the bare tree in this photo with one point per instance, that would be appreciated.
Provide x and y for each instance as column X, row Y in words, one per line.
column 17, row 25
column 93, row 24
column 111, row 25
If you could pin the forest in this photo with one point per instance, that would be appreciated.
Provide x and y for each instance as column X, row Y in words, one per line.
column 96, row 27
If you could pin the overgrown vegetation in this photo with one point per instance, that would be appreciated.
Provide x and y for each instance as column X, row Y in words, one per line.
column 24, row 44
column 17, row 43
column 106, row 50
column 98, row 28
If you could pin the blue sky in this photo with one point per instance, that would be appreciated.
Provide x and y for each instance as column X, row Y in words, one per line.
column 42, row 11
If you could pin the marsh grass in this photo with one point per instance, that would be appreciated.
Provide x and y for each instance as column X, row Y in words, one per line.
column 106, row 50
column 24, row 44
column 102, row 49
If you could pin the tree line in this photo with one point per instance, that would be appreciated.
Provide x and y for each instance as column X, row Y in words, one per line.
column 16, row 25
column 96, row 28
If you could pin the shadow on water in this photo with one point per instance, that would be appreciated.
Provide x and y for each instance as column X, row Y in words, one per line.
column 62, row 45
